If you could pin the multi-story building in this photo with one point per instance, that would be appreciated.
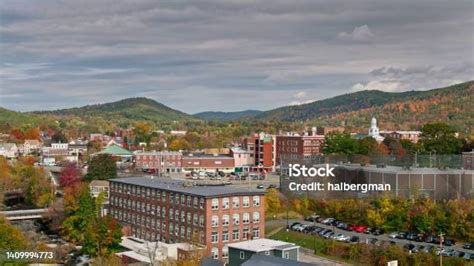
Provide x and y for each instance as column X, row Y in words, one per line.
column 306, row 145
column 208, row 163
column 243, row 159
column 412, row 136
column 175, row 211
column 163, row 161
column 262, row 146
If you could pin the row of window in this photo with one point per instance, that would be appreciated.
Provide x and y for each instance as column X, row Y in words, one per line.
column 154, row 221
column 235, row 235
column 235, row 219
column 235, row 202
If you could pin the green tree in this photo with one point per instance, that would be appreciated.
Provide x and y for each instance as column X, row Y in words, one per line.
column 101, row 167
column 340, row 143
column 440, row 138
column 11, row 238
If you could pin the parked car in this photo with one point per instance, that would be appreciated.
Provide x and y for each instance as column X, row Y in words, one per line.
column 360, row 228
column 469, row 256
column 377, row 232
column 402, row 235
column 468, row 245
column 311, row 218
column 260, row 186
column 294, row 224
column 393, row 235
column 449, row 242
column 353, row 239
column 328, row 221
column 410, row 236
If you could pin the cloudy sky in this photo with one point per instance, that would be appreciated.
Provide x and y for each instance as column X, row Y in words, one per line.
column 227, row 55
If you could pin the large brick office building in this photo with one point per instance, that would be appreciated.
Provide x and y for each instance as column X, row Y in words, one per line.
column 177, row 211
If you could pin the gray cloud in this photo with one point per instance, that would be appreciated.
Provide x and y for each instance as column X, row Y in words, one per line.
column 227, row 55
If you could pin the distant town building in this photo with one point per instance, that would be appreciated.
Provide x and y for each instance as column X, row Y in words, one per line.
column 306, row 145
column 174, row 211
column 243, row 159
column 208, row 163
column 8, row 150
column 262, row 147
column 412, row 136
column 242, row 252
column 374, row 131
column 178, row 132
column 96, row 188
column 30, row 146
column 118, row 152
column 161, row 162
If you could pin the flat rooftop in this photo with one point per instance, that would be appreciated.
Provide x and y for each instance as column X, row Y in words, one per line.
column 188, row 187
column 262, row 244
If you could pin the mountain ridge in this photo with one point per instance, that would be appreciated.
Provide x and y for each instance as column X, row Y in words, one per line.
column 226, row 116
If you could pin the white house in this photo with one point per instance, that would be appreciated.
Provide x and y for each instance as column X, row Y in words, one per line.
column 8, row 150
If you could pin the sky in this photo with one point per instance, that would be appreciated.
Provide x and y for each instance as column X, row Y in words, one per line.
column 227, row 55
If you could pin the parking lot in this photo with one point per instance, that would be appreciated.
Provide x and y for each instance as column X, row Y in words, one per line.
column 328, row 229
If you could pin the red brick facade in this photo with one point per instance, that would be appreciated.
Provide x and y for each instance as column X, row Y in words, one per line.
column 173, row 216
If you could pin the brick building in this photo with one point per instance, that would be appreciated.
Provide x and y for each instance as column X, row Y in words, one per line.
column 175, row 211
column 208, row 163
column 163, row 162
column 262, row 147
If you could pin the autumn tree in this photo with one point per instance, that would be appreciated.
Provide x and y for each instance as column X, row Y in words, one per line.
column 101, row 167
column 69, row 175
column 339, row 143
column 11, row 238
column 272, row 201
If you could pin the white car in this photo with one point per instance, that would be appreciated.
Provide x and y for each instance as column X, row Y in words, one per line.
column 328, row 220
column 393, row 235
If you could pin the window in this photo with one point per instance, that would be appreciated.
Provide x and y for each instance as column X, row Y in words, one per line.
column 214, row 237
column 195, row 219
column 201, row 221
column 256, row 217
column 242, row 255
column 267, row 252
column 235, row 235
column 225, row 203
column 195, row 202
column 287, row 255
column 245, row 234
column 246, row 218
column 188, row 201
column 225, row 252
column 256, row 201
column 183, row 199
column 215, row 204
column 225, row 236
column 236, row 219
column 225, row 220
column 246, row 202
column 235, row 202
column 201, row 203
column 215, row 253
column 256, row 233
column 214, row 221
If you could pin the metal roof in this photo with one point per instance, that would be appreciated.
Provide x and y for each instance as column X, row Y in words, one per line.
column 262, row 244
column 187, row 187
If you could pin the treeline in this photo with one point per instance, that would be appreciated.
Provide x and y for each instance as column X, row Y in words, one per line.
column 436, row 138
column 455, row 218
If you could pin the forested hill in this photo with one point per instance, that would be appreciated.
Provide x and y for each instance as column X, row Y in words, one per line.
column 405, row 110
column 226, row 116
column 131, row 108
